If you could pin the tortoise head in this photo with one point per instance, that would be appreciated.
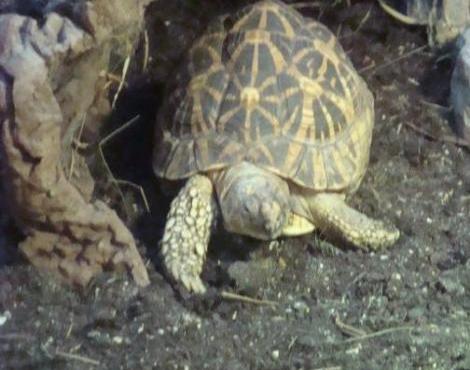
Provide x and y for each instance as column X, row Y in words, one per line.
column 253, row 201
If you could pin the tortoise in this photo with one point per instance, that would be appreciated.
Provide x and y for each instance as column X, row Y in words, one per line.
column 270, row 125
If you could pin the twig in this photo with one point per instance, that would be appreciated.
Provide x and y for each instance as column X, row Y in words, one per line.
column 292, row 343
column 114, row 78
column 397, row 15
column 374, row 68
column 306, row 4
column 10, row 336
column 125, row 68
column 79, row 145
column 71, row 356
column 380, row 333
column 338, row 31
column 361, row 23
column 110, row 173
column 363, row 20
column 106, row 140
column 242, row 298
column 69, row 331
column 139, row 188
column 445, row 139
column 436, row 106
column 146, row 51
column 348, row 329
column 355, row 280
column 120, row 129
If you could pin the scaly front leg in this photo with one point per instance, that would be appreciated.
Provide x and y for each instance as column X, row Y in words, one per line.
column 187, row 232
column 331, row 214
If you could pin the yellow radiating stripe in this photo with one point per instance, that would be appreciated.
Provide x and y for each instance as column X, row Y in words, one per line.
column 231, row 150
column 235, row 56
column 291, row 121
column 339, row 161
column 355, row 136
column 254, row 63
column 323, row 67
column 286, row 24
column 237, row 82
column 329, row 120
column 345, row 78
column 202, row 150
column 224, row 119
column 302, row 53
column 319, row 172
column 214, row 54
column 246, row 126
column 307, row 120
column 242, row 21
column 326, row 51
column 263, row 19
column 344, row 149
column 272, row 99
column 197, row 83
column 309, row 87
column 215, row 94
column 290, row 92
column 267, row 82
column 279, row 62
column 263, row 149
column 313, row 89
column 295, row 148
column 197, row 124
column 257, row 37
column 332, row 55
column 274, row 120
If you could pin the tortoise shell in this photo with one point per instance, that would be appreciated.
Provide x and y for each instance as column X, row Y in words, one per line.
column 267, row 86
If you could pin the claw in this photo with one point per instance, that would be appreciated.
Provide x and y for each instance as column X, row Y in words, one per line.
column 192, row 283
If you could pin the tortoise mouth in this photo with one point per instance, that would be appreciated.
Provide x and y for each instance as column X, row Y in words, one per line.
column 252, row 201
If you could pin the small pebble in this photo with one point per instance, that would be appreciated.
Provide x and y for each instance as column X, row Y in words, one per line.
column 275, row 354
column 4, row 317
column 117, row 340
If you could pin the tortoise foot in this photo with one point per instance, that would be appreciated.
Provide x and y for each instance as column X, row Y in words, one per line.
column 187, row 231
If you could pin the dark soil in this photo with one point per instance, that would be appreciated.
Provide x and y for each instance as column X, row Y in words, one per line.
column 319, row 307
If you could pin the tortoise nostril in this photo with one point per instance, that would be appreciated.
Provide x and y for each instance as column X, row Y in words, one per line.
column 251, row 208
column 271, row 212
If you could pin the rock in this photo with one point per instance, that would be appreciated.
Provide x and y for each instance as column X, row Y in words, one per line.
column 252, row 275
column 460, row 87
column 448, row 21
column 4, row 317
column 450, row 283
column 50, row 83
column 445, row 19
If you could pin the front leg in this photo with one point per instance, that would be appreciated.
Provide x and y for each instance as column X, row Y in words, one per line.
column 187, row 232
column 331, row 214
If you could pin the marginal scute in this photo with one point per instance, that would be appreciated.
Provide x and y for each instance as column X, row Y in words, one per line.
column 267, row 86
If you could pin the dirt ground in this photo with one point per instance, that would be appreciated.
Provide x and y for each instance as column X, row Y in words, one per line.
column 316, row 306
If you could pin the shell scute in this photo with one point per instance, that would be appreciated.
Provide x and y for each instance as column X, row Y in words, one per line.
column 268, row 86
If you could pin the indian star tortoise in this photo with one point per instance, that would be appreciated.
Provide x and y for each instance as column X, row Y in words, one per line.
column 271, row 125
